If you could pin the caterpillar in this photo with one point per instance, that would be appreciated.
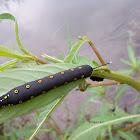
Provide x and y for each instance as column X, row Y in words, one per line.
column 34, row 88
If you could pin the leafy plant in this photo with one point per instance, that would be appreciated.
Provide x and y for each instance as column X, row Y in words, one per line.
column 105, row 124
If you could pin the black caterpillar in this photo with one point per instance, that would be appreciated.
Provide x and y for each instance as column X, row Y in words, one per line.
column 32, row 89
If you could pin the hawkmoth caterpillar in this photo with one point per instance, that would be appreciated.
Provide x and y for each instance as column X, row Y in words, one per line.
column 34, row 88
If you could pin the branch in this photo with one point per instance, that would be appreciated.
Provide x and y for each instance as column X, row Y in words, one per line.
column 112, row 75
column 103, row 84
column 53, row 127
column 94, row 49
column 40, row 61
column 131, row 126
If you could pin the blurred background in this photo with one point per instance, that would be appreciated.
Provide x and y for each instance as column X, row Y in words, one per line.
column 109, row 24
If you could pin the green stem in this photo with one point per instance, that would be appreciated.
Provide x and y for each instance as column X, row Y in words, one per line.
column 118, row 77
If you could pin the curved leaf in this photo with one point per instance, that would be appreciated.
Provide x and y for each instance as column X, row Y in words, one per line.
column 90, row 131
column 8, row 64
column 9, row 53
column 73, row 51
column 44, row 114
column 131, row 55
column 127, row 135
column 11, row 17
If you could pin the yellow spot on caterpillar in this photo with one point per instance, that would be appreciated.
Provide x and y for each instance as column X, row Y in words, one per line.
column 20, row 102
column 5, row 97
column 16, row 91
column 72, row 69
column 82, row 76
column 55, row 87
column 66, row 83
column 39, row 81
column 32, row 97
column 75, row 79
column 80, row 67
column 51, row 76
column 27, row 86
column 62, row 72
column 43, row 91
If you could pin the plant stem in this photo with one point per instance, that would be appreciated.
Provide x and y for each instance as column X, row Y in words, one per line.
column 55, row 128
column 132, row 126
column 103, row 84
column 40, row 61
column 118, row 77
column 95, row 50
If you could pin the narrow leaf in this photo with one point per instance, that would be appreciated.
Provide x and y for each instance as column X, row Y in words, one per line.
column 9, row 53
column 126, row 71
column 44, row 114
column 131, row 55
column 120, row 91
column 73, row 51
column 90, row 131
column 19, row 42
column 126, row 62
column 11, row 17
column 90, row 99
column 81, row 60
column 126, row 135
column 8, row 63
column 68, row 38
column 6, row 52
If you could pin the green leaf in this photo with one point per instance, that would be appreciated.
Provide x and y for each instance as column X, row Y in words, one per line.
column 67, row 133
column 81, row 118
column 26, row 130
column 81, row 60
column 95, row 63
column 44, row 114
column 60, row 57
column 19, row 42
column 131, row 55
column 110, row 133
column 120, row 91
column 90, row 99
column 126, row 62
column 74, row 61
column 68, row 38
column 90, row 131
column 6, row 52
column 73, row 51
column 16, row 77
column 126, row 135
column 9, row 53
column 14, row 47
column 8, row 64
column 11, row 17
column 7, row 16
column 126, row 71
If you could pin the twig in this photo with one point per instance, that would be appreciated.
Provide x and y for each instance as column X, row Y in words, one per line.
column 53, row 127
column 103, row 84
column 131, row 126
column 95, row 50
column 40, row 61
